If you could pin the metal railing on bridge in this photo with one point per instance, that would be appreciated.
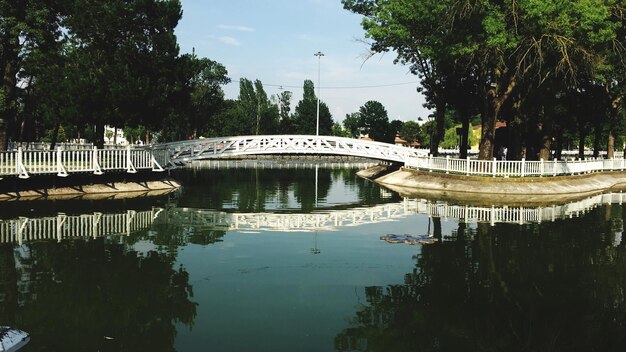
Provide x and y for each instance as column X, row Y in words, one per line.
column 63, row 162
column 514, row 168
column 184, row 151
column 214, row 148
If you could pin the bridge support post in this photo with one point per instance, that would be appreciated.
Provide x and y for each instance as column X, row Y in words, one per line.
column 19, row 164
column 155, row 165
column 130, row 168
column 61, row 171
column 95, row 164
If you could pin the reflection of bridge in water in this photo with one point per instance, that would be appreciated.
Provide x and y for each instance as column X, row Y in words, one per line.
column 65, row 226
column 98, row 224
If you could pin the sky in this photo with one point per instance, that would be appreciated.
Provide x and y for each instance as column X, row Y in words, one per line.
column 275, row 41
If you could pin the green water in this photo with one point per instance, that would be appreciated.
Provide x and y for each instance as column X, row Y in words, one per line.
column 188, row 282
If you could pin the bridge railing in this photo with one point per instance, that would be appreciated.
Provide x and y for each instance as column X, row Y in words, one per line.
column 514, row 168
column 62, row 162
column 281, row 144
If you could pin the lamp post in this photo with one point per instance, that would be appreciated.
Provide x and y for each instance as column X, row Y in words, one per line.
column 319, row 55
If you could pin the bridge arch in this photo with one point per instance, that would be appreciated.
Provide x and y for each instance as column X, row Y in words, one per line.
column 208, row 148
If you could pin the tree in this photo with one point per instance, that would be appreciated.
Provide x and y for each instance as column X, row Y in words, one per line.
column 305, row 117
column 410, row 131
column 492, row 47
column 339, row 131
column 27, row 28
column 352, row 125
column 284, row 105
column 125, row 55
column 373, row 117
column 207, row 96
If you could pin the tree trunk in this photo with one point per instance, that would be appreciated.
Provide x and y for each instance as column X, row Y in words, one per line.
column 546, row 139
column 488, row 133
column 440, row 119
column 597, row 137
column 437, row 233
column 464, row 145
column 581, row 143
column 610, row 145
column 55, row 136
column 4, row 140
column 99, row 135
column 9, row 50
column 559, row 144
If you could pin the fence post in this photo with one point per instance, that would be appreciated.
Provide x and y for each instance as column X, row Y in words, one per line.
column 493, row 167
column 61, row 171
column 430, row 163
column 95, row 163
column 19, row 164
column 155, row 165
column 555, row 164
column 541, row 167
column 447, row 164
column 130, row 168
column 523, row 166
column 468, row 166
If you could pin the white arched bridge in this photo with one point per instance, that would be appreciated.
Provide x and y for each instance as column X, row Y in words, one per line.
column 209, row 148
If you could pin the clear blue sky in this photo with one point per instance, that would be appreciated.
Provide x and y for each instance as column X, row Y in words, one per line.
column 274, row 41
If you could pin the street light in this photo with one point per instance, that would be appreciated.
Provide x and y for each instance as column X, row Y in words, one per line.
column 319, row 55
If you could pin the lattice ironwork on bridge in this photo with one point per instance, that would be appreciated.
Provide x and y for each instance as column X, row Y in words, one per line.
column 171, row 153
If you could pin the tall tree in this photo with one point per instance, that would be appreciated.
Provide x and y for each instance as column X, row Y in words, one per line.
column 127, row 53
column 373, row 117
column 410, row 131
column 352, row 124
column 284, row 105
column 26, row 27
column 305, row 117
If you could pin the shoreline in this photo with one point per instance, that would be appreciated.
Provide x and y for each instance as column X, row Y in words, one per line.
column 87, row 186
column 494, row 191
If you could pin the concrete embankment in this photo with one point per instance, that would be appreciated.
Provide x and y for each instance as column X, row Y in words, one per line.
column 489, row 190
column 87, row 187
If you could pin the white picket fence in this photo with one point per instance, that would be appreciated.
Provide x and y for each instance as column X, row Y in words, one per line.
column 514, row 168
column 63, row 162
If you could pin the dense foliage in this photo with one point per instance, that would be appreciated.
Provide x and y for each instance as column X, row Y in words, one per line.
column 72, row 67
column 529, row 63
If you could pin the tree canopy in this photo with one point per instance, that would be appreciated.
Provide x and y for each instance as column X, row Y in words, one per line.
column 488, row 56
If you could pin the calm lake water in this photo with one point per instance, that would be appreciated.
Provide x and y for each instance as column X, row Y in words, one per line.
column 274, row 257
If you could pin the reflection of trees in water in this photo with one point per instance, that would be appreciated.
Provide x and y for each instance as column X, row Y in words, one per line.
column 251, row 189
column 540, row 287
column 75, row 294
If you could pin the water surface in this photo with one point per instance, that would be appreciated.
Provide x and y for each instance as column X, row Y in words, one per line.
column 265, row 258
